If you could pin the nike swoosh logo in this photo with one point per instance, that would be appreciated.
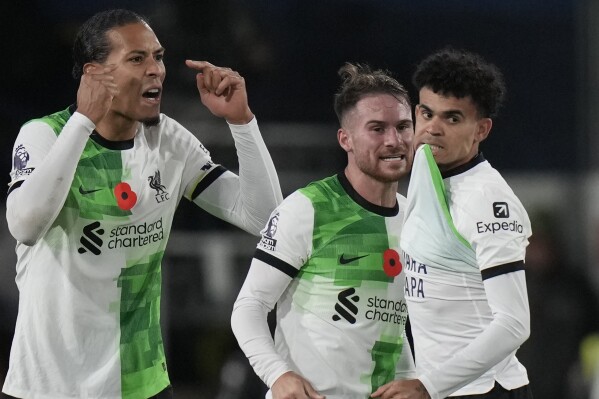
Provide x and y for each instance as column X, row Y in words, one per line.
column 83, row 191
column 344, row 261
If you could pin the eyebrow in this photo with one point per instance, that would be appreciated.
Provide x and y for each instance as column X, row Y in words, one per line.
column 143, row 52
column 447, row 113
column 378, row 122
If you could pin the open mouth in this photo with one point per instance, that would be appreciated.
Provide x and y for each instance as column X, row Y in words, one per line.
column 152, row 94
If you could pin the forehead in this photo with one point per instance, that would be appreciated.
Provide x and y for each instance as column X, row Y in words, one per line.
column 382, row 104
column 131, row 37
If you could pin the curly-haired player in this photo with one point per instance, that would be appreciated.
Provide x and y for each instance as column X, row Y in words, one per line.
column 463, row 243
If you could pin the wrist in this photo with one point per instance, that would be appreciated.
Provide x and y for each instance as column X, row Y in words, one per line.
column 241, row 120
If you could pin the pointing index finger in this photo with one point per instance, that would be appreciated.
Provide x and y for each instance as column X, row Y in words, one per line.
column 199, row 65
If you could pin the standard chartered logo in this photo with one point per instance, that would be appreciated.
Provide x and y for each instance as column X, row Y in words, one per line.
column 345, row 307
column 378, row 309
column 127, row 236
column 90, row 240
column 388, row 310
column 136, row 235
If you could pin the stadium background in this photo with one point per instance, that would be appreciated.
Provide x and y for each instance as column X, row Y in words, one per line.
column 544, row 141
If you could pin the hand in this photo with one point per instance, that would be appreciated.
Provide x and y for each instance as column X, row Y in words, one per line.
column 96, row 91
column 402, row 389
column 293, row 386
column 222, row 91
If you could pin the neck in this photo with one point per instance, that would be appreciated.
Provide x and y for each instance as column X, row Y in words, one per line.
column 117, row 128
column 374, row 191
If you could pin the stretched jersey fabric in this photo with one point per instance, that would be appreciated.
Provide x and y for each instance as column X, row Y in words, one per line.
column 463, row 242
column 89, row 289
column 329, row 260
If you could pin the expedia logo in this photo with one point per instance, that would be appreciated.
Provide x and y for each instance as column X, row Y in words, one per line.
column 494, row 227
column 501, row 210
column 90, row 240
column 345, row 307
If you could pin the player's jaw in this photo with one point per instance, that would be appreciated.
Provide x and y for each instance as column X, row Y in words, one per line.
column 139, row 102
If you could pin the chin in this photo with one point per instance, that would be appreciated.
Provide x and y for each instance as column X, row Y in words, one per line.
column 153, row 121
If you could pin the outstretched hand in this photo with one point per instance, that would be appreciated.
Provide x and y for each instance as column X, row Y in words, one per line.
column 222, row 91
column 293, row 386
column 96, row 91
column 402, row 389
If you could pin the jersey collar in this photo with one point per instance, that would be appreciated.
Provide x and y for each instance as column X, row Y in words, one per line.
column 465, row 167
column 369, row 206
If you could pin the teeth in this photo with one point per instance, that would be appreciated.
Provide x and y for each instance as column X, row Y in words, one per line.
column 394, row 157
column 153, row 91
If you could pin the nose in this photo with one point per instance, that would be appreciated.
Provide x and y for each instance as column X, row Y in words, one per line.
column 392, row 137
column 433, row 127
column 155, row 67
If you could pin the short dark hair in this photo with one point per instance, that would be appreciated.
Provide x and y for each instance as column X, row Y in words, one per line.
column 360, row 80
column 460, row 73
column 91, row 42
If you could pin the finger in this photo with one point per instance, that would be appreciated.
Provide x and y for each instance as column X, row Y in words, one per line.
column 110, row 67
column 380, row 391
column 201, row 83
column 215, row 79
column 311, row 392
column 198, row 65
column 224, row 85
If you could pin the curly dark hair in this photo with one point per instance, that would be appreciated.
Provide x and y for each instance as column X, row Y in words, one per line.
column 360, row 80
column 91, row 42
column 460, row 73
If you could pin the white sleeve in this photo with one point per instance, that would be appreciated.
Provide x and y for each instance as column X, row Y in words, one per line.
column 245, row 200
column 32, row 207
column 284, row 248
column 508, row 299
column 261, row 290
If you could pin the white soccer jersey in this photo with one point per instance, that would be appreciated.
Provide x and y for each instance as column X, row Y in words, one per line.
column 89, row 308
column 329, row 260
column 463, row 233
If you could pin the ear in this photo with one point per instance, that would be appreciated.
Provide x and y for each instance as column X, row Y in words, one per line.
column 344, row 139
column 483, row 128
column 88, row 67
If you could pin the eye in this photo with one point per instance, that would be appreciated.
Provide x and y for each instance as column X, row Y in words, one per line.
column 136, row 59
column 159, row 57
column 404, row 127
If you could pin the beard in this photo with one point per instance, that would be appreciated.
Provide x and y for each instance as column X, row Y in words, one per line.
column 380, row 175
column 149, row 122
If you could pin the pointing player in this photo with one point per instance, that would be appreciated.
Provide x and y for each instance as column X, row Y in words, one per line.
column 329, row 260
column 91, row 202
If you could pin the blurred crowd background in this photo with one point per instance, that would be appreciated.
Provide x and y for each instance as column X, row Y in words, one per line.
column 545, row 142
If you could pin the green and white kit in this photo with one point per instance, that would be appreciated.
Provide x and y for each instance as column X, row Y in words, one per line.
column 90, row 287
column 330, row 261
column 463, row 244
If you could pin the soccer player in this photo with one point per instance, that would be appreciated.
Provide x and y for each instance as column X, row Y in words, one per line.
column 329, row 260
column 463, row 241
column 91, row 201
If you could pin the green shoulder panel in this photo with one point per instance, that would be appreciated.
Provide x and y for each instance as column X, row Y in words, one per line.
column 344, row 230
column 441, row 193
column 56, row 120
